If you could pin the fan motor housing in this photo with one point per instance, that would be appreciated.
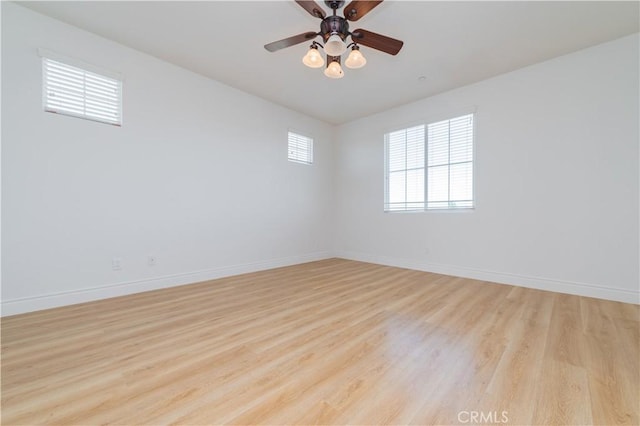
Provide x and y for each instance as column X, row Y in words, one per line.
column 334, row 4
column 332, row 25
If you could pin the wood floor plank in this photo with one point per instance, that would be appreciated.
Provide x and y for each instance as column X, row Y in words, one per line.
column 328, row 342
column 562, row 405
column 467, row 379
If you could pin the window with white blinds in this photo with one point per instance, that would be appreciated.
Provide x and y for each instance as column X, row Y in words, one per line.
column 300, row 148
column 405, row 169
column 80, row 93
column 430, row 166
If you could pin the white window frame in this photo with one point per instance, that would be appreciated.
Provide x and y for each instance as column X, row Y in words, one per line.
column 92, row 100
column 302, row 151
column 423, row 206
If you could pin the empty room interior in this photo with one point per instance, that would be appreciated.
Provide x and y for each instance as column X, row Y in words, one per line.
column 320, row 212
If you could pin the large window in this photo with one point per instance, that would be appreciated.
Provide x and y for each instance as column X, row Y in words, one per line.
column 77, row 92
column 430, row 166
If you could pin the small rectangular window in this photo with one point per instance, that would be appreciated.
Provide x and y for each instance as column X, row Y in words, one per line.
column 74, row 91
column 430, row 166
column 300, row 148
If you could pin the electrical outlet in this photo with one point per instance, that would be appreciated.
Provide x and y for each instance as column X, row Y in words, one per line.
column 116, row 264
column 151, row 260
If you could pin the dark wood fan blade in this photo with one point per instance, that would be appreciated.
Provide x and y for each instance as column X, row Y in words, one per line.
column 312, row 7
column 377, row 41
column 358, row 8
column 289, row 41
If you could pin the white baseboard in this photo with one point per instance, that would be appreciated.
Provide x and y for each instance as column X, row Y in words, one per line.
column 558, row 286
column 53, row 300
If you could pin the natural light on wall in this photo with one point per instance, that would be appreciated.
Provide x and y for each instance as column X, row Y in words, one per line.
column 430, row 166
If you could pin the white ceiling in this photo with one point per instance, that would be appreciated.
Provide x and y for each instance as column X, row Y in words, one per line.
column 450, row 44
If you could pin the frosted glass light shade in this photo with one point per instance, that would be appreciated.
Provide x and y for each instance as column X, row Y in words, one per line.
column 355, row 59
column 334, row 70
column 335, row 46
column 313, row 58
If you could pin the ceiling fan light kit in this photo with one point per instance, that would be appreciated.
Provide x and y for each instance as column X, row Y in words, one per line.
column 355, row 59
column 313, row 58
column 334, row 70
column 335, row 46
column 334, row 31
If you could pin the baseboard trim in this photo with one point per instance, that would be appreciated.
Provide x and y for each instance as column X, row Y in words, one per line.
column 54, row 300
column 558, row 286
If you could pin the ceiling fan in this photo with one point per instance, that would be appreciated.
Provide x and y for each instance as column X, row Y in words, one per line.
column 334, row 30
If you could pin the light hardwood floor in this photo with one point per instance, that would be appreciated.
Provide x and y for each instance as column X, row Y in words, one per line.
column 329, row 342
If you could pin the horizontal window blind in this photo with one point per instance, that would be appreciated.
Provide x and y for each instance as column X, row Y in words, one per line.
column 300, row 148
column 430, row 166
column 80, row 93
column 405, row 166
column 450, row 163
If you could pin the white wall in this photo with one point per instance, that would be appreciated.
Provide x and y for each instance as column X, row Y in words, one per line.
column 556, row 180
column 196, row 176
